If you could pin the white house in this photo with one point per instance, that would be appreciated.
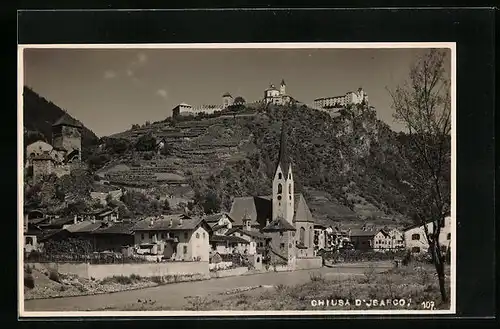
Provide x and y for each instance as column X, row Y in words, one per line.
column 416, row 239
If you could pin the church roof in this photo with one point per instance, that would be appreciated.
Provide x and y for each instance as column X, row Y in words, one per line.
column 283, row 157
column 254, row 208
column 66, row 120
column 260, row 208
column 302, row 211
column 279, row 224
column 227, row 95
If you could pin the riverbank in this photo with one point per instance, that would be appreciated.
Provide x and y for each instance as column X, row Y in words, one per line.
column 181, row 296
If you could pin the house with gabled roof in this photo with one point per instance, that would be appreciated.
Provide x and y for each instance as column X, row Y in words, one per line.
column 175, row 237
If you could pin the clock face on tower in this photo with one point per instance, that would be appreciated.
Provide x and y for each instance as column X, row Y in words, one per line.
column 279, row 197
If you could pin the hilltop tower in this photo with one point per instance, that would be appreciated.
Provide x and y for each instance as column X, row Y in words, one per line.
column 283, row 185
column 282, row 87
column 227, row 100
column 67, row 135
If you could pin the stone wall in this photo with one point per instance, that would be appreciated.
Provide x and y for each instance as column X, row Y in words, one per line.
column 231, row 272
column 308, row 263
column 101, row 271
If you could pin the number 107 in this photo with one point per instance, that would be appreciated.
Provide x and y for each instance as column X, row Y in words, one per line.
column 428, row 305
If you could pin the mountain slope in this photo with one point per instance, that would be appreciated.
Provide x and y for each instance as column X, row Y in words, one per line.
column 40, row 114
column 347, row 166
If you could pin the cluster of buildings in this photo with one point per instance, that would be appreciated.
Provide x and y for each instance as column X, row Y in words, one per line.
column 349, row 98
column 277, row 96
column 65, row 152
column 276, row 228
column 272, row 95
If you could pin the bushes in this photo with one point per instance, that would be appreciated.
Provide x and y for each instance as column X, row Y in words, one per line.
column 29, row 281
column 54, row 276
column 350, row 256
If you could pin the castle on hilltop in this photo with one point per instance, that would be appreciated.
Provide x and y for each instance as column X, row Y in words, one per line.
column 272, row 95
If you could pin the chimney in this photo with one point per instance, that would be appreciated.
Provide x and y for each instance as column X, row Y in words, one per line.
column 75, row 219
column 152, row 222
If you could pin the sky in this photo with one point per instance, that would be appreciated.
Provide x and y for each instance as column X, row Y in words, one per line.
column 111, row 89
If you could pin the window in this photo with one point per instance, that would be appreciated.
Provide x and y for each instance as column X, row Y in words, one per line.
column 163, row 235
column 203, row 235
column 415, row 236
column 279, row 176
column 197, row 235
column 281, row 234
column 142, row 236
column 280, row 188
column 282, row 246
column 289, row 176
column 29, row 240
column 290, row 188
column 415, row 249
column 185, row 249
column 185, row 235
column 448, row 236
column 302, row 235
column 151, row 235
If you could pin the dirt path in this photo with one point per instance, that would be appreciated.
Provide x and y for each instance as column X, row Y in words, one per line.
column 175, row 296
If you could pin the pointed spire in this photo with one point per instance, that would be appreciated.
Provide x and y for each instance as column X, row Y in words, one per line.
column 283, row 82
column 283, row 157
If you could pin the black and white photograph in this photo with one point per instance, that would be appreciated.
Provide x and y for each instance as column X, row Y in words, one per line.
column 236, row 179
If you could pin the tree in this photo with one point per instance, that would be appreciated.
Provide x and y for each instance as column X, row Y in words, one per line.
column 423, row 105
column 146, row 143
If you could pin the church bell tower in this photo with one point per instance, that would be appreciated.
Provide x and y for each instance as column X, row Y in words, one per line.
column 283, row 186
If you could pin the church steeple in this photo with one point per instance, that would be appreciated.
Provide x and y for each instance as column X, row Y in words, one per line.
column 283, row 186
column 283, row 157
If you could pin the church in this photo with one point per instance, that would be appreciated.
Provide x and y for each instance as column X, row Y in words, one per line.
column 284, row 217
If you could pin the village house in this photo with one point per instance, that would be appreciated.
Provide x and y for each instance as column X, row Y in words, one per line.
column 226, row 244
column 258, row 242
column 363, row 239
column 114, row 237
column 283, row 216
column 175, row 237
column 416, row 240
column 220, row 223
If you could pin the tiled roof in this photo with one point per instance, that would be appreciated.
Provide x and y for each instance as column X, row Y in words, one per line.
column 279, row 224
column 66, row 120
column 118, row 228
column 84, row 227
column 59, row 222
column 162, row 223
column 215, row 217
column 253, row 234
column 228, row 238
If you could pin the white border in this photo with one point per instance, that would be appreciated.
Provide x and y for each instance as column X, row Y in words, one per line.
column 450, row 45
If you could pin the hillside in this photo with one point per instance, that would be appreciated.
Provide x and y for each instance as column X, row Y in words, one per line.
column 347, row 166
column 40, row 114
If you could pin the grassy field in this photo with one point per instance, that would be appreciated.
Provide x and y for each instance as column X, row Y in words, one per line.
column 411, row 286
